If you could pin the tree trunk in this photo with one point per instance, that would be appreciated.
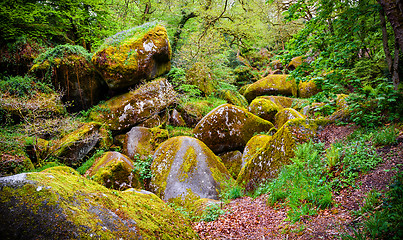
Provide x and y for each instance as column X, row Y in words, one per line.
column 185, row 18
column 385, row 40
column 395, row 74
column 394, row 12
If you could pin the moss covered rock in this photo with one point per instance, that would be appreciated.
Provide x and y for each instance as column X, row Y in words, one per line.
column 228, row 128
column 72, row 148
column 263, row 108
column 271, row 85
column 294, row 63
column 277, row 152
column 233, row 97
column 140, row 53
column 137, row 142
column 114, row 170
column 233, row 162
column 176, row 119
column 276, row 65
column 58, row 203
column 71, row 71
column 286, row 114
column 126, row 110
column 185, row 169
column 307, row 89
column 253, row 146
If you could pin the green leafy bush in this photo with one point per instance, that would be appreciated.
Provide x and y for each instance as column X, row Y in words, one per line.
column 87, row 164
column 212, row 212
column 62, row 51
column 385, row 136
column 143, row 167
column 23, row 86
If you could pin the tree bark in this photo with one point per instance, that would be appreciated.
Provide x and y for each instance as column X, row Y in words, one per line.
column 394, row 12
column 385, row 40
column 395, row 74
column 185, row 18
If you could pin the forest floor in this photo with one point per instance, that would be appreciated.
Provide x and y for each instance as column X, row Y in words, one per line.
column 249, row 218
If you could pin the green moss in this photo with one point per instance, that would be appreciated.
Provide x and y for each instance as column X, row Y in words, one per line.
column 84, row 209
column 307, row 89
column 233, row 97
column 189, row 164
column 295, row 62
column 271, row 85
column 286, row 114
column 263, row 108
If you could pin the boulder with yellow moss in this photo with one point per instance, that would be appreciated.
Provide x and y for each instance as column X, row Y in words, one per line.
column 114, row 170
column 263, row 108
column 286, row 114
column 307, row 89
column 129, row 109
column 294, row 63
column 271, row 85
column 228, row 128
column 184, row 170
column 70, row 70
column 59, row 203
column 131, row 56
column 277, row 152
column 253, row 146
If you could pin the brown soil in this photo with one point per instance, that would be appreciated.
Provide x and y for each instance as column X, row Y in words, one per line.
column 249, row 218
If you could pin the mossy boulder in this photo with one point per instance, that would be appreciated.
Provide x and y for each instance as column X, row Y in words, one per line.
column 276, row 65
column 253, row 146
column 286, row 114
column 184, row 170
column 114, row 170
column 11, row 164
column 233, row 162
column 228, row 128
column 59, row 203
column 271, row 85
column 129, row 109
column 307, row 89
column 73, row 147
column 71, row 71
column 277, row 152
column 134, row 55
column 342, row 112
column 294, row 63
column 233, row 97
column 263, row 108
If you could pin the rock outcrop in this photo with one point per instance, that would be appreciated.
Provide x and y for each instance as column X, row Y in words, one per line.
column 134, row 55
column 228, row 128
column 264, row 108
column 58, row 203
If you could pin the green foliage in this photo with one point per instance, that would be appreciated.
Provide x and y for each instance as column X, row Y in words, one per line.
column 375, row 106
column 301, row 185
column 12, row 140
column 143, row 167
column 231, row 190
column 62, row 51
column 177, row 77
column 333, row 156
column 179, row 131
column 23, row 86
column 88, row 164
column 212, row 212
column 384, row 223
column 385, row 136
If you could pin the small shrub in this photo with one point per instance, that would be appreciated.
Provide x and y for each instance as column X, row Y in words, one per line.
column 385, row 136
column 143, row 167
column 212, row 212
column 23, row 86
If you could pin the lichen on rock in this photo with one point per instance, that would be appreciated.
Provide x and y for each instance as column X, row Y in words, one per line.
column 272, row 85
column 185, row 169
column 277, row 152
column 134, row 55
column 263, row 108
column 233, row 162
column 307, row 89
column 228, row 128
column 58, row 203
column 286, row 114
column 125, row 111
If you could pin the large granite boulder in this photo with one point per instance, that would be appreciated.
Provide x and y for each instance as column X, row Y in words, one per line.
column 125, row 111
column 286, row 114
column 254, row 145
column 134, row 55
column 70, row 70
column 114, row 170
column 228, row 128
column 59, row 203
column 264, row 108
column 271, row 85
column 277, row 152
column 233, row 97
column 184, row 169
column 233, row 162
column 307, row 89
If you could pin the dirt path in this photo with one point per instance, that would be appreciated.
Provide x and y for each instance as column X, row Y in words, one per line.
column 249, row 218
